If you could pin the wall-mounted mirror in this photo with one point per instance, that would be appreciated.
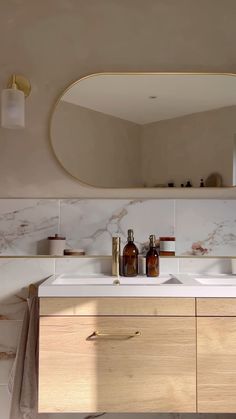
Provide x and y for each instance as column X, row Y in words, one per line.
column 147, row 129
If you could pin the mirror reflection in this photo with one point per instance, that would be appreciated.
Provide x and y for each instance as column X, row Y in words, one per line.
column 148, row 130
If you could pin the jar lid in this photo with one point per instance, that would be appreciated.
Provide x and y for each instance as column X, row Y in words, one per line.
column 167, row 238
column 56, row 237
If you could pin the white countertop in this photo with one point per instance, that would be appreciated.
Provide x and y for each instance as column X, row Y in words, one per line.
column 180, row 285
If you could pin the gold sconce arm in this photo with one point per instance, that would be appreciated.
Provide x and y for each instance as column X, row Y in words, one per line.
column 20, row 82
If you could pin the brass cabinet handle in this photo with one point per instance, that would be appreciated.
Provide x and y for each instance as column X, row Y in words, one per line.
column 113, row 335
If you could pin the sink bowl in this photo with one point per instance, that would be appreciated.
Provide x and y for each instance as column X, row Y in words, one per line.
column 223, row 281
column 98, row 285
column 166, row 285
column 75, row 279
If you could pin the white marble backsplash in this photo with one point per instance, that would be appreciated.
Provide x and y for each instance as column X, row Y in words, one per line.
column 90, row 224
column 25, row 225
column 201, row 227
column 206, row 227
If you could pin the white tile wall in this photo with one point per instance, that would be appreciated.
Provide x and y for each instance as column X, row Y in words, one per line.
column 15, row 276
column 169, row 265
column 205, row 265
column 9, row 335
column 83, row 265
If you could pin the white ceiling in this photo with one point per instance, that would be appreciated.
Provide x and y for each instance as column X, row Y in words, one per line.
column 127, row 96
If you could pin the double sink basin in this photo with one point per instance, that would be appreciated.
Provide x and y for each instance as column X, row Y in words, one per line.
column 169, row 285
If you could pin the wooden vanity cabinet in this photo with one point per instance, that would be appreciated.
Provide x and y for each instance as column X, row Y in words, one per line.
column 153, row 370
column 136, row 363
column 216, row 355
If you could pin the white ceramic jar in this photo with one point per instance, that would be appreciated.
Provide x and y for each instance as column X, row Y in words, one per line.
column 56, row 245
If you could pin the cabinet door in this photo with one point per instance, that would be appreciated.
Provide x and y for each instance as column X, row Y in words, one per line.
column 216, row 360
column 118, row 370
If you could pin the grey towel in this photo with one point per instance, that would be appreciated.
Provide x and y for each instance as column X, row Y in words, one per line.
column 23, row 382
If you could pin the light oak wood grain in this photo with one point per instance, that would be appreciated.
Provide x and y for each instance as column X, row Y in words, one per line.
column 216, row 360
column 216, row 307
column 153, row 372
column 117, row 306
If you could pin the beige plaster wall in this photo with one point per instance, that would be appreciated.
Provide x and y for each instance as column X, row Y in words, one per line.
column 102, row 150
column 190, row 147
column 96, row 148
column 55, row 42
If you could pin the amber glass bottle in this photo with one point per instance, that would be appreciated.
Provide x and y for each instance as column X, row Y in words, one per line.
column 130, row 256
column 152, row 259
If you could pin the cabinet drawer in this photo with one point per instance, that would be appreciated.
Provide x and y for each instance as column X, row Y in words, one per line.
column 117, row 306
column 216, row 307
column 154, row 371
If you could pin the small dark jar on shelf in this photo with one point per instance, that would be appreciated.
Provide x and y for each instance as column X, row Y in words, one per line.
column 167, row 246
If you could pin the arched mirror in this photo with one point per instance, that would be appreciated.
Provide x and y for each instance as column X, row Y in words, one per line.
column 148, row 130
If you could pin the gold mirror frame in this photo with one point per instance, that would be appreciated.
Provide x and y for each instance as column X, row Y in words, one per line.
column 129, row 74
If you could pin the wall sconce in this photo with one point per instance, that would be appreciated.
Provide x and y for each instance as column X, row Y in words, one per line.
column 13, row 102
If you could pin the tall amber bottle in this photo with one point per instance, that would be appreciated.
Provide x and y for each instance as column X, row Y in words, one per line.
column 130, row 256
column 152, row 258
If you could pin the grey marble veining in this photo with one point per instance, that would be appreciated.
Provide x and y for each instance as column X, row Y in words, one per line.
column 202, row 227
column 206, row 227
column 25, row 225
column 90, row 223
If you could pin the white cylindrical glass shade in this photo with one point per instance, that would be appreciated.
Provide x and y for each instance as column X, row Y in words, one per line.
column 13, row 108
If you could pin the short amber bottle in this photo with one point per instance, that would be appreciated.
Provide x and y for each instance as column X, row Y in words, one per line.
column 152, row 259
column 130, row 256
